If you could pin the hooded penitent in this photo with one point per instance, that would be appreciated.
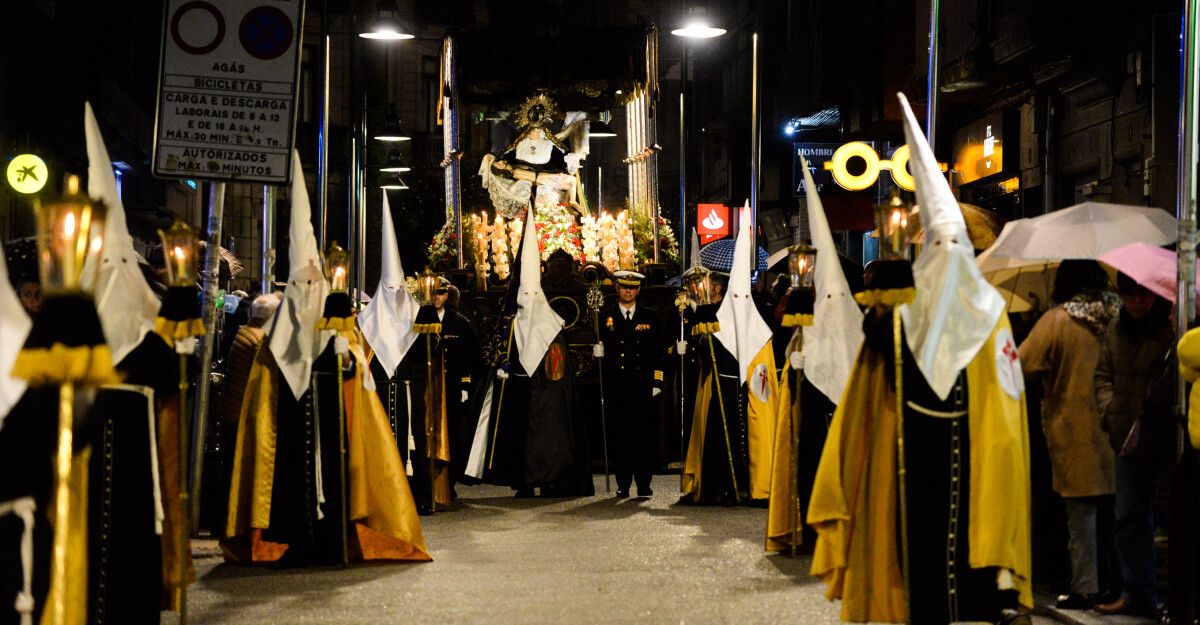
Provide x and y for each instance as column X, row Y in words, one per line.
column 745, row 334
column 14, row 327
column 293, row 337
column 953, row 326
column 536, row 324
column 126, row 304
column 831, row 343
column 387, row 321
column 955, row 309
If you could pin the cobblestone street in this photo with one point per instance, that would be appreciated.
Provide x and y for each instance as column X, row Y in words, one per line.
column 501, row 560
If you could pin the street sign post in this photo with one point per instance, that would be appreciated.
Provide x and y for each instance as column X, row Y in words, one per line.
column 227, row 89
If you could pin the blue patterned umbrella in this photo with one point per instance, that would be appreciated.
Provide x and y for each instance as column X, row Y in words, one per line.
column 718, row 256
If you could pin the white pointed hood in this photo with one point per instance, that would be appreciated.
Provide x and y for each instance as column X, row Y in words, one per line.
column 14, row 328
column 831, row 343
column 695, row 251
column 955, row 309
column 536, row 324
column 387, row 321
column 126, row 304
column 293, row 337
column 743, row 331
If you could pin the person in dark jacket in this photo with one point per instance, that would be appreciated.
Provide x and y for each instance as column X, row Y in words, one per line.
column 1133, row 353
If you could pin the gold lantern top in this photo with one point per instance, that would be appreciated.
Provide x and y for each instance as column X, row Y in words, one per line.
column 70, row 238
column 698, row 281
column 802, row 263
column 891, row 223
column 337, row 268
column 428, row 285
column 180, row 247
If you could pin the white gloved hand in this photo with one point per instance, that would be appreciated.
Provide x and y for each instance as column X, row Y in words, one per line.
column 341, row 345
column 797, row 360
column 681, row 347
column 464, row 397
column 656, row 392
column 598, row 350
column 501, row 374
column 186, row 346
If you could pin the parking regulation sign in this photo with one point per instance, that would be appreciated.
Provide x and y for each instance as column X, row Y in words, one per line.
column 227, row 89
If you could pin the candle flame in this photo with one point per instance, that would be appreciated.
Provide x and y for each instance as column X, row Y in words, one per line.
column 69, row 226
column 179, row 253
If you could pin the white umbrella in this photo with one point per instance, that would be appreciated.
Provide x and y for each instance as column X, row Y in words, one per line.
column 1085, row 230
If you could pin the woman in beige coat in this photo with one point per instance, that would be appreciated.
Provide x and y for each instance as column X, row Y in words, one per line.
column 1061, row 352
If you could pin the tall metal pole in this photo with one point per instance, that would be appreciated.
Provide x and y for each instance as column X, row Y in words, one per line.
column 212, row 262
column 932, row 95
column 683, row 238
column 1181, row 533
column 599, row 190
column 268, row 240
column 450, row 144
column 1185, row 203
column 755, row 147
column 323, row 133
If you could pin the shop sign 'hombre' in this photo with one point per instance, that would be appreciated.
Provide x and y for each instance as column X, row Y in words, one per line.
column 227, row 89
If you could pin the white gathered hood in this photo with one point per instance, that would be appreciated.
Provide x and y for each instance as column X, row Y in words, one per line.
column 536, row 323
column 294, row 340
column 743, row 331
column 955, row 309
column 831, row 343
column 126, row 304
column 14, row 328
column 387, row 320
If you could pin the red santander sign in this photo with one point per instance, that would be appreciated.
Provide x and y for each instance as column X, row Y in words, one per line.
column 712, row 222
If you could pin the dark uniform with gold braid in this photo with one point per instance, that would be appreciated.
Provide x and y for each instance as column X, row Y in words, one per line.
column 634, row 352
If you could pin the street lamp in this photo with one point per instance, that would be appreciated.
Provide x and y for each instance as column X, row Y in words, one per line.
column 697, row 25
column 393, row 183
column 386, row 26
column 394, row 164
column 391, row 131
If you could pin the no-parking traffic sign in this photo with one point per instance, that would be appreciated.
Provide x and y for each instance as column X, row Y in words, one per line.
column 227, row 89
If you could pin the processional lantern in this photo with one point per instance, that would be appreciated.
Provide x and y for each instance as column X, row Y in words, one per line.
column 891, row 223
column 802, row 263
column 699, row 284
column 428, row 286
column 180, row 245
column 337, row 268
column 70, row 239
column 889, row 280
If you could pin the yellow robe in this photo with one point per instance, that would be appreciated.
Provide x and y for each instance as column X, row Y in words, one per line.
column 760, row 422
column 783, row 509
column 1189, row 369
column 384, row 516
column 853, row 505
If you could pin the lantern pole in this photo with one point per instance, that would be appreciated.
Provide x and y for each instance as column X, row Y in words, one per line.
column 212, row 262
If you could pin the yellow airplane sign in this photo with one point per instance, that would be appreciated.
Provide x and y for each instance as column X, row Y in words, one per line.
column 27, row 173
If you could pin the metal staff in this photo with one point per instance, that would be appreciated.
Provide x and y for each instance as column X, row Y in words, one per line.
column 430, row 419
column 795, row 460
column 716, row 377
column 901, row 472
column 594, row 300
column 183, row 541
column 500, row 401
column 681, row 303
column 345, row 496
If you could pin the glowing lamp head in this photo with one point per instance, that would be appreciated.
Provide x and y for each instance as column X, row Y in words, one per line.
column 428, row 284
column 70, row 238
column 802, row 263
column 699, row 284
column 337, row 268
column 891, row 224
column 180, row 246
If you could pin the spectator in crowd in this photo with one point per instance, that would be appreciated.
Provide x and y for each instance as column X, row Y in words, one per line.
column 29, row 291
column 241, row 356
column 1133, row 353
column 1061, row 353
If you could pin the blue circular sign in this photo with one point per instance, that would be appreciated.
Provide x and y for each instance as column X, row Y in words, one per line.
column 266, row 32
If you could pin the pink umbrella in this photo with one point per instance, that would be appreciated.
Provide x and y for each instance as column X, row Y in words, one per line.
column 1148, row 265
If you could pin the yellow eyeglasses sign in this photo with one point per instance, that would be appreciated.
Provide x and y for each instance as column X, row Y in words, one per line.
column 897, row 165
column 27, row 173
